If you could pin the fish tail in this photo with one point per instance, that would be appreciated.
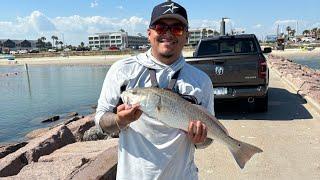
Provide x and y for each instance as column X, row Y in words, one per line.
column 242, row 152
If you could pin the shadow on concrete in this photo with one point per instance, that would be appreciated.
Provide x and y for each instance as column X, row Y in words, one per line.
column 283, row 106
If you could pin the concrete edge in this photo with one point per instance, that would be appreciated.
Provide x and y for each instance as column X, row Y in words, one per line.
column 309, row 100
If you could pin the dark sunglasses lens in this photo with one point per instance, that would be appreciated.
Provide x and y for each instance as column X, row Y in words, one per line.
column 161, row 29
column 177, row 30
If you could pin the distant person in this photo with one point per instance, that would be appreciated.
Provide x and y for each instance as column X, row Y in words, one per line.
column 148, row 149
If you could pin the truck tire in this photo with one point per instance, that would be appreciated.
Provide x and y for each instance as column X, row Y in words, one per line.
column 261, row 104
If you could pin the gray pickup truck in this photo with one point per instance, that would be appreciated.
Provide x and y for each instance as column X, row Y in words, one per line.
column 237, row 68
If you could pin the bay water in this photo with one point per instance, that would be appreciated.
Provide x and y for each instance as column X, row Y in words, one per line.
column 28, row 98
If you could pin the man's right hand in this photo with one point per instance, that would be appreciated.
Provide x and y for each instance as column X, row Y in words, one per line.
column 127, row 114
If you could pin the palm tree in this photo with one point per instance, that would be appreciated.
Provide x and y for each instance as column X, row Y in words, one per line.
column 292, row 32
column 54, row 38
column 43, row 39
column 288, row 29
column 306, row 32
column 82, row 44
column 314, row 32
column 318, row 33
column 60, row 42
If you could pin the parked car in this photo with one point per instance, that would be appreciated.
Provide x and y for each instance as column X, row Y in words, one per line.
column 52, row 50
column 113, row 48
column 23, row 51
column 13, row 52
column 36, row 50
column 308, row 39
column 95, row 49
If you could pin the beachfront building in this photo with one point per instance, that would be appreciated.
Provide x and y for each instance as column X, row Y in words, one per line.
column 15, row 45
column 119, row 39
column 196, row 34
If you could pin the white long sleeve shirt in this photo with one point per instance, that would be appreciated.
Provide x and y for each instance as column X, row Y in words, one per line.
column 148, row 149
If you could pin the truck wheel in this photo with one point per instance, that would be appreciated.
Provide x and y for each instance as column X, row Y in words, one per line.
column 261, row 104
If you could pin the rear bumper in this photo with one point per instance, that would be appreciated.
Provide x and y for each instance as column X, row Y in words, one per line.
column 243, row 92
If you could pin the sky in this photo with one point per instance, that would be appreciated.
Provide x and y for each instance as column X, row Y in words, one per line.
column 72, row 21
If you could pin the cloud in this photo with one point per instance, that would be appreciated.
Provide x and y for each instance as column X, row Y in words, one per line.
column 75, row 29
column 94, row 4
column 257, row 26
column 285, row 22
column 204, row 23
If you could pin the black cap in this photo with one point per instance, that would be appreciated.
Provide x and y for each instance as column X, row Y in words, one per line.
column 169, row 9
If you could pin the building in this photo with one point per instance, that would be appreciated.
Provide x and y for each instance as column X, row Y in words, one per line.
column 196, row 34
column 116, row 39
column 14, row 45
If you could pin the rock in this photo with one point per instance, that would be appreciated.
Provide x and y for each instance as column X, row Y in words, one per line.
column 37, row 133
column 103, row 167
column 79, row 127
column 10, row 148
column 51, row 119
column 93, row 134
column 94, row 106
column 71, row 114
column 80, row 160
column 73, row 119
column 44, row 145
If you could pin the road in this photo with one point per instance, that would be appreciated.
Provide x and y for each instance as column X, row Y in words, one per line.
column 288, row 134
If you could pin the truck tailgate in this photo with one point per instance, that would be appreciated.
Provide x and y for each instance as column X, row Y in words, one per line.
column 230, row 70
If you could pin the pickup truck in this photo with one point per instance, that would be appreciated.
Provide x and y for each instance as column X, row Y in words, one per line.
column 237, row 68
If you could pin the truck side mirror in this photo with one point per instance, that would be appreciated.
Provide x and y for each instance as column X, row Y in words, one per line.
column 267, row 50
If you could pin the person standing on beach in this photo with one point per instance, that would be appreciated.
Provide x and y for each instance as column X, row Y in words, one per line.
column 148, row 149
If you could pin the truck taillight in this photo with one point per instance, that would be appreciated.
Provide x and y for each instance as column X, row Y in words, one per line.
column 262, row 69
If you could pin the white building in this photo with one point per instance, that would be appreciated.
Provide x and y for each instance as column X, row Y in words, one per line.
column 196, row 34
column 116, row 39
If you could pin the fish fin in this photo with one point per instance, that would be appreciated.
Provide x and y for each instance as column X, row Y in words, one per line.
column 243, row 152
column 211, row 116
column 205, row 144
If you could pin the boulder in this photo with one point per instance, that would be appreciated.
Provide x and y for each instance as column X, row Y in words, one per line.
column 93, row 134
column 6, row 149
column 80, row 160
column 71, row 114
column 79, row 127
column 37, row 133
column 51, row 119
column 44, row 145
column 73, row 119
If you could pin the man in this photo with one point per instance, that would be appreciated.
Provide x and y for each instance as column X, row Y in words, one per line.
column 147, row 148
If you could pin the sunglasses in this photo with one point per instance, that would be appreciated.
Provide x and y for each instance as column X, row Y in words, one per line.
column 175, row 29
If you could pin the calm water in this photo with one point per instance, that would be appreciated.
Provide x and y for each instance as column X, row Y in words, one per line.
column 310, row 61
column 50, row 90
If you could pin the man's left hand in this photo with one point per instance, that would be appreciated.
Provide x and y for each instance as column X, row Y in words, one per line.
column 197, row 131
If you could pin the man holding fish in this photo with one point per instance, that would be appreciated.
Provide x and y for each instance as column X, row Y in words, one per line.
column 150, row 148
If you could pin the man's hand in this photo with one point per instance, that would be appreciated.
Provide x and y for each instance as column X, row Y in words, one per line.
column 127, row 114
column 197, row 132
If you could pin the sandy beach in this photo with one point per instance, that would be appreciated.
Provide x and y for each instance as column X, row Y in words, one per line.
column 66, row 60
column 292, row 52
column 59, row 60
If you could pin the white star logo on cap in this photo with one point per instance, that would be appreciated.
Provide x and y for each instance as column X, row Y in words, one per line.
column 171, row 8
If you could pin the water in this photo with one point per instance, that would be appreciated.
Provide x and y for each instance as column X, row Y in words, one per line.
column 310, row 61
column 50, row 90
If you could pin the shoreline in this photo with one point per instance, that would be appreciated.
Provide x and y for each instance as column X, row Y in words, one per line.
column 95, row 60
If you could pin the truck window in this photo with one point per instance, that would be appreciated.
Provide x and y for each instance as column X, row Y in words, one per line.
column 244, row 46
column 227, row 47
column 230, row 46
column 208, row 48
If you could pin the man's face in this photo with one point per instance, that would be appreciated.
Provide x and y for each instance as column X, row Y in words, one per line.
column 166, row 46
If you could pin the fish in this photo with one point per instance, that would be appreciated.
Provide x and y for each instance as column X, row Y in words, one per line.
column 175, row 112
